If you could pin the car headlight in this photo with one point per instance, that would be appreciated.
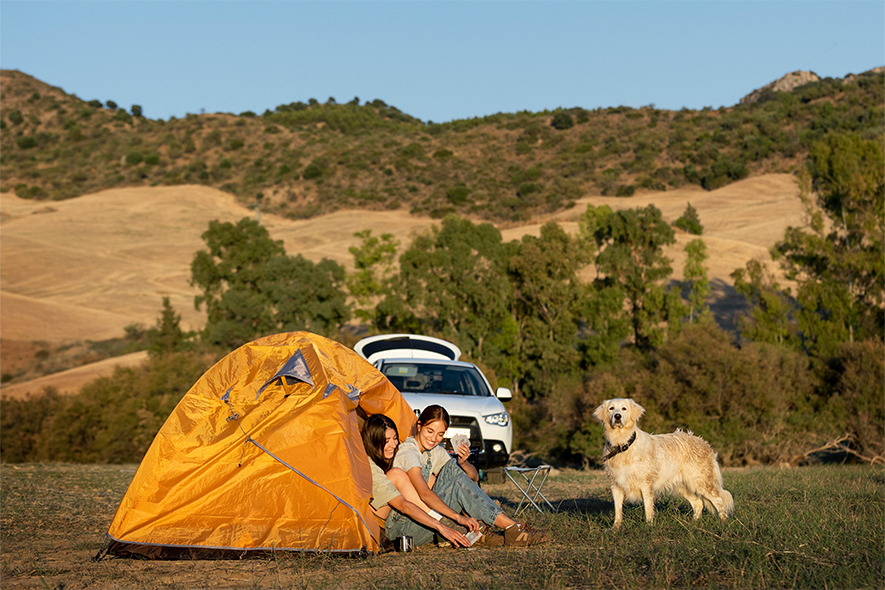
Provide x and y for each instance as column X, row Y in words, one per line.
column 501, row 419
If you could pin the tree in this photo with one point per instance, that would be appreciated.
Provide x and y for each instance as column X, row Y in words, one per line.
column 167, row 336
column 251, row 287
column 452, row 282
column 373, row 262
column 695, row 279
column 630, row 244
column 690, row 222
column 562, row 121
column 837, row 260
column 770, row 307
column 136, row 110
column 606, row 325
column 546, row 297
column 303, row 295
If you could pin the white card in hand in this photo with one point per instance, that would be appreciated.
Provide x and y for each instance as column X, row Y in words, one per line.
column 458, row 439
column 473, row 537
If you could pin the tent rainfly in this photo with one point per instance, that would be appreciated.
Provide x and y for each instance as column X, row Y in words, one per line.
column 262, row 454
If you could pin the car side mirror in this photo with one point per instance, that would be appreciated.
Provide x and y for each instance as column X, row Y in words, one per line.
column 504, row 394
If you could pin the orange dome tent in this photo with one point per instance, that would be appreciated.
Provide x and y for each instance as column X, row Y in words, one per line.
column 262, row 454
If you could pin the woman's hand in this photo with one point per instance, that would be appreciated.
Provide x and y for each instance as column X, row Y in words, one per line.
column 454, row 537
column 468, row 521
column 463, row 453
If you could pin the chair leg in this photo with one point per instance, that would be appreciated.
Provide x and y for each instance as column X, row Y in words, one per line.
column 531, row 491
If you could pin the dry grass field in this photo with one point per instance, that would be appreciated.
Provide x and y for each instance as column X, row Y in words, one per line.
column 85, row 268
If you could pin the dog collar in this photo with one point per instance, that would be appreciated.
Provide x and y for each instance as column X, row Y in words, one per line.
column 619, row 449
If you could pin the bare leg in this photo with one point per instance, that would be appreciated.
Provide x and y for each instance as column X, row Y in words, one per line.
column 503, row 521
column 400, row 479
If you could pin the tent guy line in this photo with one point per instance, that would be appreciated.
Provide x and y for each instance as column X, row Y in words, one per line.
column 257, row 444
column 249, row 439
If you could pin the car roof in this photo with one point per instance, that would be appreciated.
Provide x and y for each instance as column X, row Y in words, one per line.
column 406, row 346
column 423, row 361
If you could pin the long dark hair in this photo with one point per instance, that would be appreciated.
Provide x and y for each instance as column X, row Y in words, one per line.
column 374, row 435
column 432, row 414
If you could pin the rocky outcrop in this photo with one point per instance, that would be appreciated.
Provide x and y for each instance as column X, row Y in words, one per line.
column 852, row 77
column 797, row 79
column 785, row 84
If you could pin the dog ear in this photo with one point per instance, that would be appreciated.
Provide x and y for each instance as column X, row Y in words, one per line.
column 599, row 414
column 637, row 410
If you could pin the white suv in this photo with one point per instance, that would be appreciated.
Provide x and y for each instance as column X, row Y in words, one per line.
column 427, row 371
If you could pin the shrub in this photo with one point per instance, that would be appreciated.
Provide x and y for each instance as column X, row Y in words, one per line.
column 22, row 422
column 626, row 190
column 136, row 110
column 26, row 142
column 312, row 171
column 562, row 121
column 94, row 104
column 413, row 150
column 855, row 378
column 123, row 116
column 152, row 159
column 458, row 194
column 690, row 222
column 235, row 144
column 691, row 174
column 24, row 191
column 15, row 117
column 214, row 138
column 443, row 154
column 111, row 105
column 723, row 171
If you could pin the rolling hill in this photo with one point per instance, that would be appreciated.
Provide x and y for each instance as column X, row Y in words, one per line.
column 85, row 268
column 101, row 210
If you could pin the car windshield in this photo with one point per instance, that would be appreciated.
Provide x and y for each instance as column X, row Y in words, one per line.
column 431, row 378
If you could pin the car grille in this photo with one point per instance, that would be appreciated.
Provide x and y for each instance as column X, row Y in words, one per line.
column 475, row 434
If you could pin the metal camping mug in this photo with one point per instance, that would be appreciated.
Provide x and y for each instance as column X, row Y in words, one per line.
column 404, row 543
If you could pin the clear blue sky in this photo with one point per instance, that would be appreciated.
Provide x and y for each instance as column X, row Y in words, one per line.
column 434, row 60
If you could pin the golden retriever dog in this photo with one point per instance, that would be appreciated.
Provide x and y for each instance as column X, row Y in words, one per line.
column 641, row 465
